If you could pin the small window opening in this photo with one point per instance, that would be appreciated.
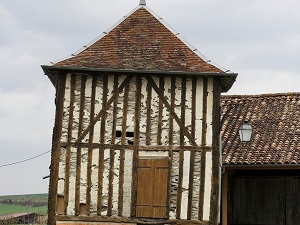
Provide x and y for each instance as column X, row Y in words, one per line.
column 128, row 133
column 118, row 133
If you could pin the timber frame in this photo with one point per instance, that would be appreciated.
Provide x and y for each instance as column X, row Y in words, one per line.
column 84, row 140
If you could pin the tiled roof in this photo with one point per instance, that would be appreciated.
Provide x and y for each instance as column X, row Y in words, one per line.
column 275, row 120
column 140, row 42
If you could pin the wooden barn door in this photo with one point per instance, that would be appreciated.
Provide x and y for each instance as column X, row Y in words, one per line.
column 266, row 200
column 259, row 201
column 152, row 188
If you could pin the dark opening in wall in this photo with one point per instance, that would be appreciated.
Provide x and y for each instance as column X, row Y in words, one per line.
column 118, row 133
column 128, row 133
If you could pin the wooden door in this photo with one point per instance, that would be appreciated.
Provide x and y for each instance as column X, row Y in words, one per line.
column 259, row 201
column 271, row 200
column 152, row 188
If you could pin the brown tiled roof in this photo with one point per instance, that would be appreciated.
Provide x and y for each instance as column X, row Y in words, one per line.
column 140, row 42
column 275, row 120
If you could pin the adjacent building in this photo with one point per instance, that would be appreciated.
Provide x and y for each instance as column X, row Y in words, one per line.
column 261, row 178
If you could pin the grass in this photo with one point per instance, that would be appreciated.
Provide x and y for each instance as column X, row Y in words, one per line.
column 20, row 204
column 6, row 209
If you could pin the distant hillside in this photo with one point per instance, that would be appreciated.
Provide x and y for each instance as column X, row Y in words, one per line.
column 33, row 200
column 24, row 203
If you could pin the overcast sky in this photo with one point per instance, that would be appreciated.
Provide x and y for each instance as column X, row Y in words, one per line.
column 258, row 39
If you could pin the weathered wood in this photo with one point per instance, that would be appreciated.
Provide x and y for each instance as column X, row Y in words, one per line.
column 112, row 152
column 192, row 157
column 101, row 149
column 141, row 147
column 55, row 156
column 224, row 195
column 68, row 149
column 171, row 120
column 152, row 187
column 103, row 110
column 216, row 160
column 122, row 151
column 78, row 158
column 171, row 110
column 136, row 143
column 160, row 112
column 104, row 113
column 203, row 154
column 204, row 112
column 90, row 149
column 100, row 180
column 179, row 187
column 88, row 219
column 181, row 153
column 182, row 117
column 148, row 120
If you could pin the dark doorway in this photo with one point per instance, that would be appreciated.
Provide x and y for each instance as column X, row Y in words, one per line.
column 266, row 198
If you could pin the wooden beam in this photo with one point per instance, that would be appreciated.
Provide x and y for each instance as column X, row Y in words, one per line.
column 136, row 142
column 181, row 153
column 224, row 198
column 112, row 151
column 101, row 149
column 141, row 147
column 55, row 156
column 203, row 154
column 192, row 157
column 68, row 149
column 148, row 121
column 122, row 152
column 90, row 149
column 160, row 112
column 78, row 158
column 171, row 120
column 216, row 153
column 124, row 220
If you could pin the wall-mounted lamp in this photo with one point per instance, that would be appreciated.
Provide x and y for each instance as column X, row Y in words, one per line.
column 245, row 131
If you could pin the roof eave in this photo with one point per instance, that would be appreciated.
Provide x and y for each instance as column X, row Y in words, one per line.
column 227, row 79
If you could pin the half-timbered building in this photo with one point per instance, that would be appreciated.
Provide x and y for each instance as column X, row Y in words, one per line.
column 136, row 135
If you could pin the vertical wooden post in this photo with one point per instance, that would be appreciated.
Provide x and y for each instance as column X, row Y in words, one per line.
column 224, row 198
column 55, row 156
column 90, row 150
column 68, row 150
column 122, row 151
column 101, row 150
column 136, row 141
column 192, row 157
column 181, row 153
column 216, row 160
column 78, row 158
column 203, row 153
column 112, row 151
column 160, row 112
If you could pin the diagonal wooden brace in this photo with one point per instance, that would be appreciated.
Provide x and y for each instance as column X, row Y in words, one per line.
column 103, row 110
column 172, row 113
